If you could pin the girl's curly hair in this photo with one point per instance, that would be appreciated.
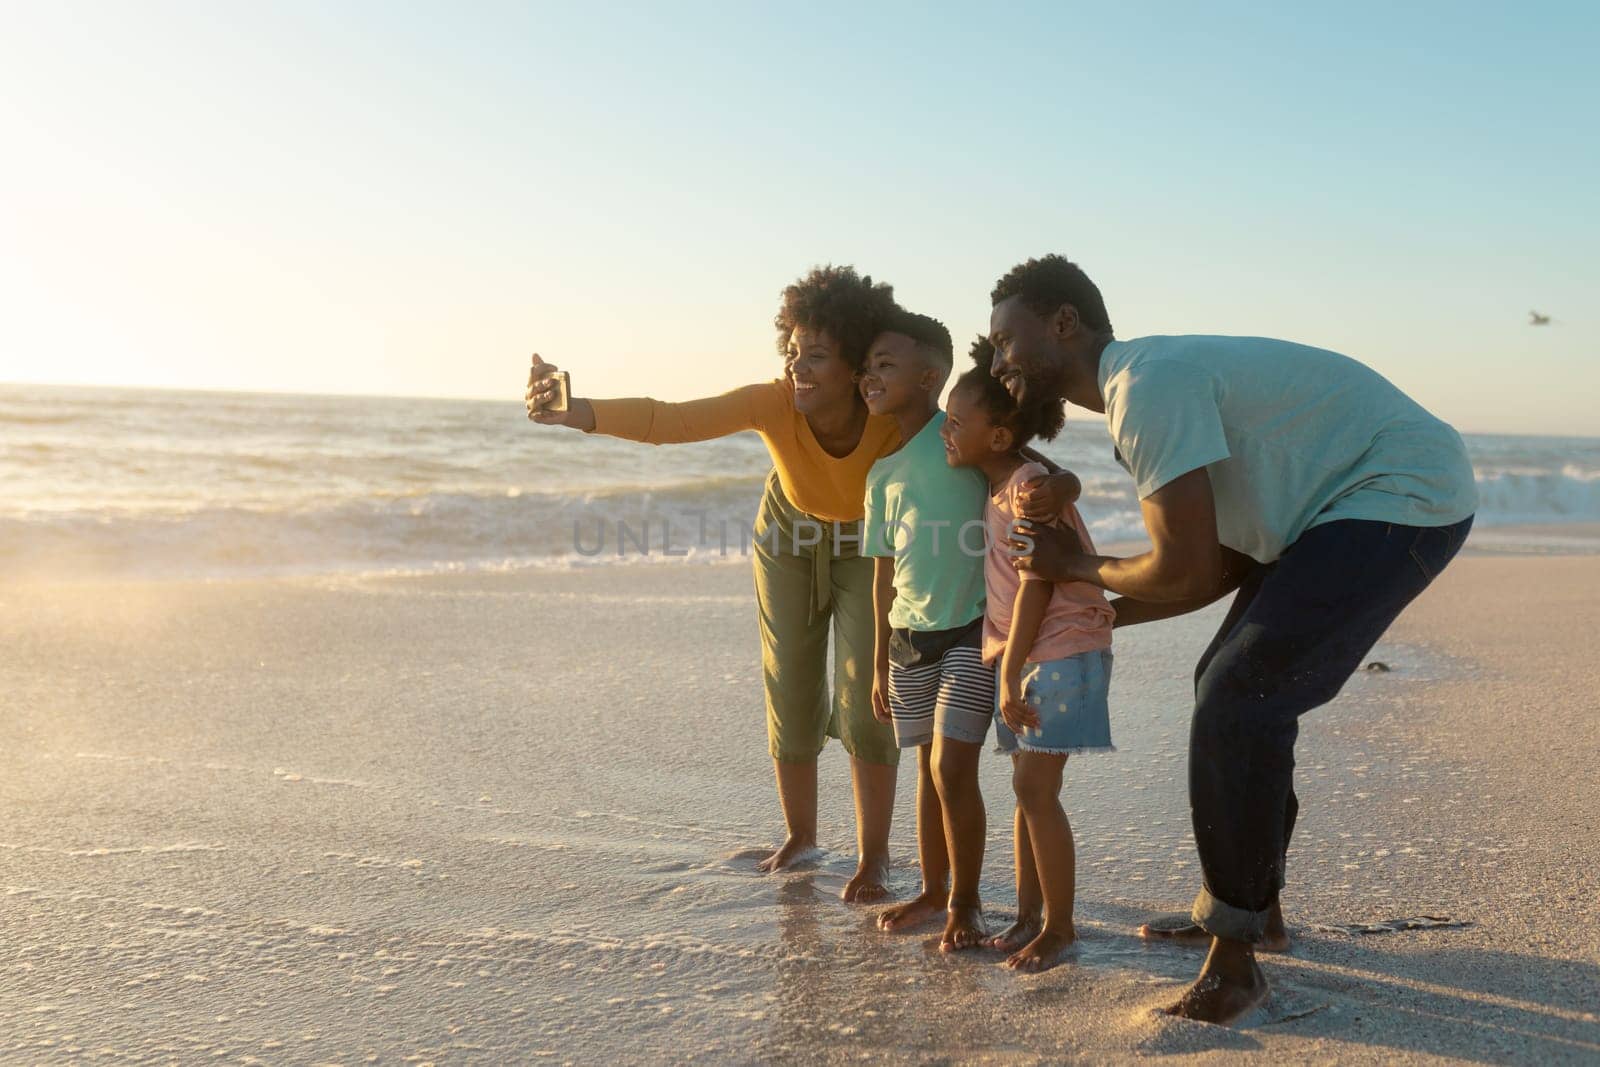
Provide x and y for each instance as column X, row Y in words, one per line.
column 1036, row 420
column 849, row 307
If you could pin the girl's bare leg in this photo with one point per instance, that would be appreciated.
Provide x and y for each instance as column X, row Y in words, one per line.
column 1030, row 898
column 1037, row 780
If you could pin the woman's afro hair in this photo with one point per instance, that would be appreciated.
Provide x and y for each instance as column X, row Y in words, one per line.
column 848, row 307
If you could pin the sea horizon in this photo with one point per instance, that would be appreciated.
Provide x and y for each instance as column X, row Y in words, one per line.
column 164, row 483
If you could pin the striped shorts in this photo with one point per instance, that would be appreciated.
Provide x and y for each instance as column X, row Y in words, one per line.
column 946, row 690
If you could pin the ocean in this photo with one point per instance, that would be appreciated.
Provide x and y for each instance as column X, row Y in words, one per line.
column 167, row 484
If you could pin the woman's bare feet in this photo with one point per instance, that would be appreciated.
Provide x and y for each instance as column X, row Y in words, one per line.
column 964, row 928
column 1046, row 950
column 1230, row 986
column 869, row 884
column 787, row 855
column 914, row 912
column 1013, row 937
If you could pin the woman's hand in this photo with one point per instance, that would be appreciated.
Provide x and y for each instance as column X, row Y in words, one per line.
column 1046, row 497
column 542, row 389
column 1017, row 713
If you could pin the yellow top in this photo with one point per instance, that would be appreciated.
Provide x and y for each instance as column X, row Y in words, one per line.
column 829, row 487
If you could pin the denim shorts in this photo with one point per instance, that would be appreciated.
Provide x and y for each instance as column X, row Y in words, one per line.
column 1070, row 696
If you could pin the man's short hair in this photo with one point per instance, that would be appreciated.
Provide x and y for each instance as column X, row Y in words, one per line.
column 1044, row 284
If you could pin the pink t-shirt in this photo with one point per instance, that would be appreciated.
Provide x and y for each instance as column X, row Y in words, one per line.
column 1078, row 618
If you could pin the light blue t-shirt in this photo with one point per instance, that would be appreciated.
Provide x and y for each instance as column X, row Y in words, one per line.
column 1291, row 436
column 929, row 517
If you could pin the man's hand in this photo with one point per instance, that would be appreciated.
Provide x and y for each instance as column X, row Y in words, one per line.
column 1184, row 564
column 1046, row 497
column 1056, row 554
column 1016, row 712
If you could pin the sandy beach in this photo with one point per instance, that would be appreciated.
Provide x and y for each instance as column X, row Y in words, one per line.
column 339, row 820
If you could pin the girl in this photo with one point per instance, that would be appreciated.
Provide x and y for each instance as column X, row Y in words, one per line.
column 1053, row 644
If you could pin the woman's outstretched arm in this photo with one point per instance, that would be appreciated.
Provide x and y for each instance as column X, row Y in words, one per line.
column 655, row 422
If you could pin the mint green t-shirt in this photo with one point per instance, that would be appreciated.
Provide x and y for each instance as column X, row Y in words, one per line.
column 1292, row 437
column 929, row 517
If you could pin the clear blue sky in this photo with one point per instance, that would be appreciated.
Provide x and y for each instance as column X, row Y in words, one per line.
column 409, row 198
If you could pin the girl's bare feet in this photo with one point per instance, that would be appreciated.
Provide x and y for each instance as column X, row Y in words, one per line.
column 1013, row 937
column 964, row 928
column 787, row 855
column 869, row 884
column 1044, row 951
column 914, row 912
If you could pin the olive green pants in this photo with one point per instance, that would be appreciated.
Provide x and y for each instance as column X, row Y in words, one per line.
column 809, row 573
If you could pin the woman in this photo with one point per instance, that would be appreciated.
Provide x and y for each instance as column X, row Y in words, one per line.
column 822, row 441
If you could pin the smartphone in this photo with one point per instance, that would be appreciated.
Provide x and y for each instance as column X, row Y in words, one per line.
column 563, row 384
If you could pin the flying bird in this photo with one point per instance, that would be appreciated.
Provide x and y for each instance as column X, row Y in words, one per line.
column 1536, row 319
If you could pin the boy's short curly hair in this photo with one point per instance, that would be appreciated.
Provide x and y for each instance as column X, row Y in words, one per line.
column 1046, row 283
column 1038, row 420
column 931, row 335
column 851, row 308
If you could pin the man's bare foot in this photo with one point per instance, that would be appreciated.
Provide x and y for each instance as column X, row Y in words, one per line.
column 914, row 912
column 1230, row 986
column 869, row 884
column 787, row 855
column 964, row 928
column 1046, row 950
column 1191, row 934
column 1013, row 937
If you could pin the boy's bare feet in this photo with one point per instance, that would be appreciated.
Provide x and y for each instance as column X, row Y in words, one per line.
column 787, row 855
column 1274, row 939
column 1013, row 937
column 1230, row 986
column 1044, row 951
column 869, row 884
column 914, row 912
column 964, row 928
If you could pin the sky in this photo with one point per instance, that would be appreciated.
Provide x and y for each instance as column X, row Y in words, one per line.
column 409, row 199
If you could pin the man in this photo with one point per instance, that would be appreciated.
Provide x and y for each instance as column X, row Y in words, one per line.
column 1303, row 479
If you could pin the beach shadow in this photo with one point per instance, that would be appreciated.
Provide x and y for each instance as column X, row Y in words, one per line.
column 1468, row 1003
column 1464, row 1002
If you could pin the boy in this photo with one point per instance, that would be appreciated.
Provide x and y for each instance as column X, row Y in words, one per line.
column 924, row 526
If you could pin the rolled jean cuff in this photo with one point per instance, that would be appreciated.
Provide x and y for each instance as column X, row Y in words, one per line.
column 1221, row 919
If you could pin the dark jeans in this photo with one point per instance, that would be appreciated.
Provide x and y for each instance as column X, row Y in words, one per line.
column 1297, row 630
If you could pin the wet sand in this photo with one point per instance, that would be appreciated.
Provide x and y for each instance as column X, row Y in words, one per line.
column 513, row 818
